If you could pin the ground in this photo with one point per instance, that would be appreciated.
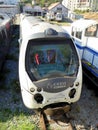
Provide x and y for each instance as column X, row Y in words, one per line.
column 91, row 15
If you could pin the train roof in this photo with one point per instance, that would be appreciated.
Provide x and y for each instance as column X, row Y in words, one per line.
column 32, row 25
column 83, row 23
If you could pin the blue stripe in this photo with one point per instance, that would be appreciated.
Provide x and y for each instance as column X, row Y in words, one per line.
column 80, row 47
column 91, row 70
column 91, row 51
column 87, row 48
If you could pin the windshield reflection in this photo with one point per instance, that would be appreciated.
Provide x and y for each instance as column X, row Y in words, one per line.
column 52, row 60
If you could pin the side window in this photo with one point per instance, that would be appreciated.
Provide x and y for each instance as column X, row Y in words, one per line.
column 59, row 9
column 73, row 31
column 91, row 31
column 78, row 34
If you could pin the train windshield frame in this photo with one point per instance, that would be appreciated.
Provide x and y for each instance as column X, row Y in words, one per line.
column 51, row 58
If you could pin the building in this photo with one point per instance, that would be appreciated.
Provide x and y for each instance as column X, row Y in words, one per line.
column 10, row 7
column 58, row 7
column 94, row 5
column 11, row 10
column 35, row 10
column 78, row 4
column 8, row 2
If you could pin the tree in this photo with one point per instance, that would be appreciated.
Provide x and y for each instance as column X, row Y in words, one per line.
column 42, row 3
column 26, row 1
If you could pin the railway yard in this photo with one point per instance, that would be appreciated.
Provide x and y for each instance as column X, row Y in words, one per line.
column 83, row 114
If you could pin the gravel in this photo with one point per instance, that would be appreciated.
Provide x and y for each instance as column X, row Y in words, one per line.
column 83, row 114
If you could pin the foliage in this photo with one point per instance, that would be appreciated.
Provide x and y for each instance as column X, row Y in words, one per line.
column 26, row 1
column 16, row 121
column 42, row 3
column 81, row 11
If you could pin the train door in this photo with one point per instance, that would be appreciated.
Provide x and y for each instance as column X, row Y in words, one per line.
column 77, row 35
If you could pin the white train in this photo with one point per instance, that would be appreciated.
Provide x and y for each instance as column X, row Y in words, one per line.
column 85, row 34
column 49, row 66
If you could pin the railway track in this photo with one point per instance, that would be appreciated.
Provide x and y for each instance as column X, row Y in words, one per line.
column 55, row 119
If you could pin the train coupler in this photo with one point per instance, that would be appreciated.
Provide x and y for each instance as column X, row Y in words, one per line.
column 55, row 118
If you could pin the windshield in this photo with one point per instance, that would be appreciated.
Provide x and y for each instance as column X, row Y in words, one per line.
column 46, row 59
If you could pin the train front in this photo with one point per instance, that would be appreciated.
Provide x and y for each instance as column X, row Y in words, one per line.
column 49, row 70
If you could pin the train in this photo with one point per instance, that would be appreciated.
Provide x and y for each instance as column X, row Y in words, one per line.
column 85, row 35
column 6, row 23
column 50, row 72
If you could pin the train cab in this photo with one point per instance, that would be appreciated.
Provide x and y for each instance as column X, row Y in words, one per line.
column 49, row 65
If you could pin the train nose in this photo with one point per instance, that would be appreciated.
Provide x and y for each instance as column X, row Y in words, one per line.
column 38, row 98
